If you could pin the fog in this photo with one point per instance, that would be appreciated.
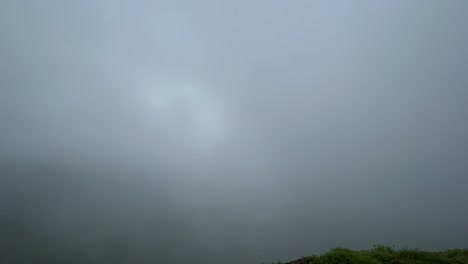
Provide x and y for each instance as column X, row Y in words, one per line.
column 230, row 131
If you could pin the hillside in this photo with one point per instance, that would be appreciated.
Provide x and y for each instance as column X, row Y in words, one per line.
column 383, row 254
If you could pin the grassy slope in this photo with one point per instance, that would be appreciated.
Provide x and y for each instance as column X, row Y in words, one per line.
column 382, row 254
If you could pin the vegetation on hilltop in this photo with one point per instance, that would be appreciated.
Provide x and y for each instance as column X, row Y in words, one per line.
column 386, row 255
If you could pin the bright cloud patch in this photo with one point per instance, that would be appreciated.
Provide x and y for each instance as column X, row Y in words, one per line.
column 189, row 111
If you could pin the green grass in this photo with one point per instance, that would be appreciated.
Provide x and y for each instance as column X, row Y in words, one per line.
column 387, row 255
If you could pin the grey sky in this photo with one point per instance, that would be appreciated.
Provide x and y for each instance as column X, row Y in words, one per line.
column 232, row 131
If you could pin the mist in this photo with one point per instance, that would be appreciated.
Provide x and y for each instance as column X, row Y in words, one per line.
column 230, row 131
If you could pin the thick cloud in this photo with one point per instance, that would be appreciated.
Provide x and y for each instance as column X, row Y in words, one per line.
column 230, row 132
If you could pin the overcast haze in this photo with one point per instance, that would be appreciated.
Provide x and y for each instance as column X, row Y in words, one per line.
column 230, row 131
